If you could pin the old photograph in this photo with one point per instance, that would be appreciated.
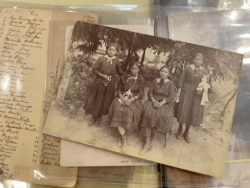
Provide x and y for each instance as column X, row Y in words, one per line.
column 92, row 155
column 229, row 32
column 147, row 97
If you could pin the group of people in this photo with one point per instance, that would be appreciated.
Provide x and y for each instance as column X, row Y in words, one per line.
column 122, row 101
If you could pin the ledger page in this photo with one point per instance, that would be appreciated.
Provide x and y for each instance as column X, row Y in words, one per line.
column 25, row 153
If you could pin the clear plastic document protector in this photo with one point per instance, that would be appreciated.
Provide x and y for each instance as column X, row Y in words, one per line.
column 32, row 41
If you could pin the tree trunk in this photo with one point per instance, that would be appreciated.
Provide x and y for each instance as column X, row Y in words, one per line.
column 130, row 51
column 168, row 61
column 143, row 57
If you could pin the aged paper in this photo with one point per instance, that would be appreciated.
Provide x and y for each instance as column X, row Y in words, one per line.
column 148, row 129
column 85, row 155
column 57, row 57
column 106, row 174
column 148, row 176
column 229, row 32
column 57, row 46
column 116, row 177
column 26, row 154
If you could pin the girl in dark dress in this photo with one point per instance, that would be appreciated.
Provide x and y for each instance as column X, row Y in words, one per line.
column 175, row 72
column 190, row 110
column 125, row 110
column 102, row 91
column 157, row 114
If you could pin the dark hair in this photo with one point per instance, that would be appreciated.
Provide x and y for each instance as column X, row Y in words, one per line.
column 140, row 77
column 112, row 44
column 163, row 68
column 135, row 63
column 199, row 54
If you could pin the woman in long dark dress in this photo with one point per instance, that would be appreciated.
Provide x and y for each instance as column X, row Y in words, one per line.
column 157, row 114
column 102, row 91
column 125, row 111
column 190, row 111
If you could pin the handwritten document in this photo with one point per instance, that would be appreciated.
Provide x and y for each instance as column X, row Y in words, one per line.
column 26, row 154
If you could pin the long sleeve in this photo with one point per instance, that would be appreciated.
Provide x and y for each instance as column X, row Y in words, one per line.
column 141, row 90
column 120, row 88
column 182, row 78
column 119, row 69
column 171, row 93
column 151, row 89
column 97, row 65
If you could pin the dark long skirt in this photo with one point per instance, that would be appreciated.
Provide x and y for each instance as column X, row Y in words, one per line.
column 189, row 110
column 99, row 97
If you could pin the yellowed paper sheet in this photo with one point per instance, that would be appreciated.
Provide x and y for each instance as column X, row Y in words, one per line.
column 25, row 153
column 148, row 176
column 107, row 174
column 85, row 155
column 57, row 45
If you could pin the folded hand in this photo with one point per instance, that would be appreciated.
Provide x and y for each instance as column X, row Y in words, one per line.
column 128, row 102
column 156, row 104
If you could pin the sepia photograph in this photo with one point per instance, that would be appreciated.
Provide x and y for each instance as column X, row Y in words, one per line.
column 75, row 150
column 229, row 32
column 156, row 99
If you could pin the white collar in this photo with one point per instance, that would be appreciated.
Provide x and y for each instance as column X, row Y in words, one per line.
column 110, row 58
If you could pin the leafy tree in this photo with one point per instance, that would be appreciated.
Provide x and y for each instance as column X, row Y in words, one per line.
column 86, row 35
column 89, row 37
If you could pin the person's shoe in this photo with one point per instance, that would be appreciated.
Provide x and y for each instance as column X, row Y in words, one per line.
column 147, row 147
column 124, row 140
column 92, row 122
column 179, row 133
column 186, row 137
column 98, row 122
column 72, row 114
column 119, row 143
column 125, row 145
